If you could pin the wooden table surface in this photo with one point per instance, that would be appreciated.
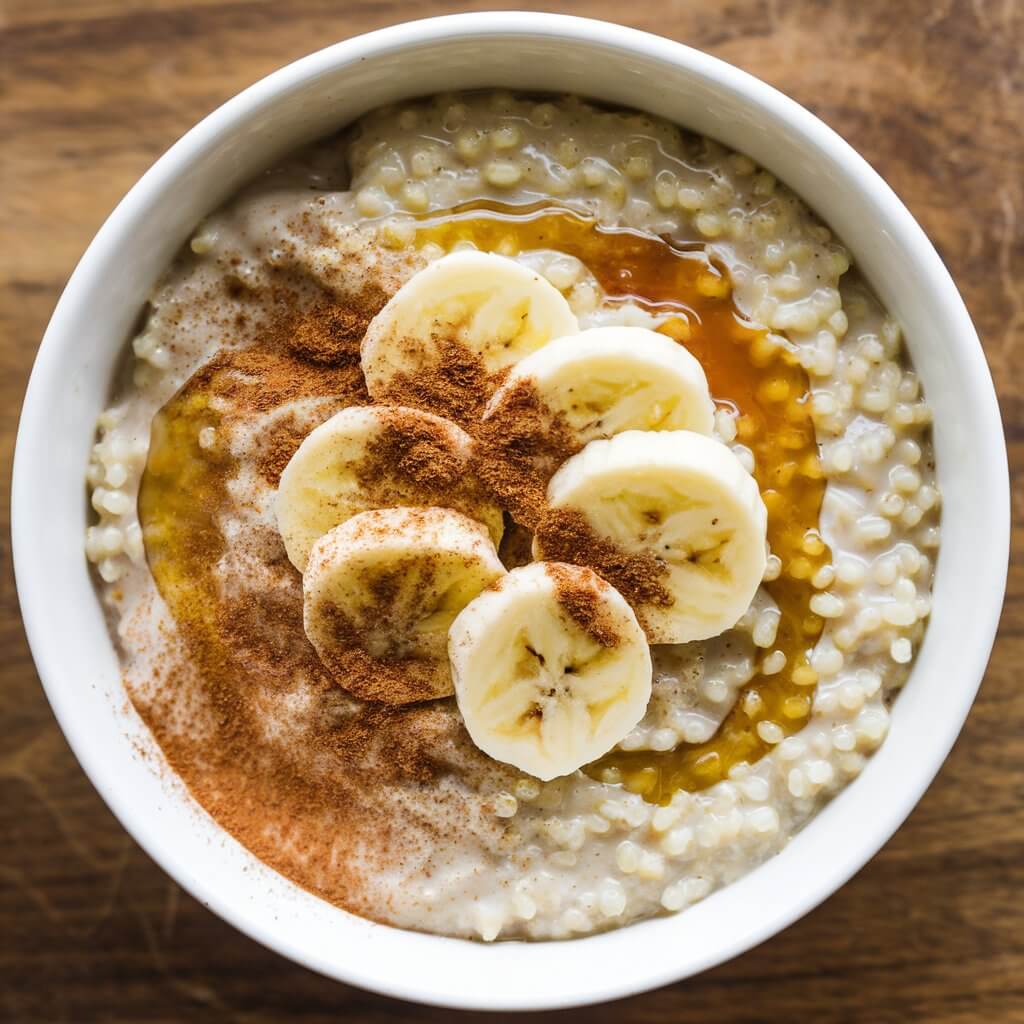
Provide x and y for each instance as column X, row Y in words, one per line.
column 931, row 92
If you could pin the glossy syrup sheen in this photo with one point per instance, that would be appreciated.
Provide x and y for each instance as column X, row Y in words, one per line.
column 747, row 373
column 182, row 490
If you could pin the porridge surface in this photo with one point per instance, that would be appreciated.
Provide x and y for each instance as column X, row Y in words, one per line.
column 394, row 813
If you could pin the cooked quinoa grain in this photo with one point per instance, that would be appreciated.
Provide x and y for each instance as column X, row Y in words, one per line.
column 482, row 851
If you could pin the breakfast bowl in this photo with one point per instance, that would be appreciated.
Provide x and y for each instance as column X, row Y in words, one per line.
column 81, row 357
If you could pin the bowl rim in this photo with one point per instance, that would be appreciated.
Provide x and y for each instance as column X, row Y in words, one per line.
column 415, row 34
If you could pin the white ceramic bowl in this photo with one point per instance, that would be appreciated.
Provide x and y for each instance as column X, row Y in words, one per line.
column 87, row 336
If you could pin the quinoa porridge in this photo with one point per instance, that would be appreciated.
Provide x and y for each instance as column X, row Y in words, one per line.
column 265, row 595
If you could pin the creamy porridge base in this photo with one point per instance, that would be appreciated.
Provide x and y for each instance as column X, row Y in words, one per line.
column 395, row 814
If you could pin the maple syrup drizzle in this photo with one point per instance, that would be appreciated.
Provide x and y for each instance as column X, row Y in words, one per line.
column 747, row 373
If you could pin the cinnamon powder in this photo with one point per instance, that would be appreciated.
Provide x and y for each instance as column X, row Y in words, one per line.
column 564, row 535
column 330, row 334
column 455, row 385
column 388, row 678
column 237, row 655
column 579, row 595
column 416, row 449
column 519, row 445
column 278, row 447
column 420, row 461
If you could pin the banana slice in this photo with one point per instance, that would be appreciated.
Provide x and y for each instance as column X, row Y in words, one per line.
column 465, row 317
column 683, row 502
column 551, row 668
column 380, row 592
column 607, row 380
column 369, row 457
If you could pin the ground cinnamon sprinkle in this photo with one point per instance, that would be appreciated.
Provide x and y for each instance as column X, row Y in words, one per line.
column 329, row 334
column 410, row 739
column 386, row 674
column 264, row 377
column 456, row 385
column 519, row 445
column 419, row 460
column 235, row 657
column 278, row 447
column 564, row 535
column 386, row 682
column 416, row 449
column 578, row 592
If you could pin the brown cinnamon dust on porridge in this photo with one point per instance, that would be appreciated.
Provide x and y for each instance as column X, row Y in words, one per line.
column 253, row 340
column 252, row 650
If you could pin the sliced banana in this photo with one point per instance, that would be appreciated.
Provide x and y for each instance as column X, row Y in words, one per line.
column 687, row 502
column 551, row 668
column 380, row 592
column 493, row 309
column 369, row 457
column 607, row 380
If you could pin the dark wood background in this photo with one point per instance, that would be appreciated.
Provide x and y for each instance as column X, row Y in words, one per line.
column 931, row 91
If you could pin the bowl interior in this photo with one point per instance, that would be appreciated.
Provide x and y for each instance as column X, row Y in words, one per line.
column 71, row 384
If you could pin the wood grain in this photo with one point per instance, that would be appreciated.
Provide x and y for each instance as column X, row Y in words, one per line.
column 931, row 92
